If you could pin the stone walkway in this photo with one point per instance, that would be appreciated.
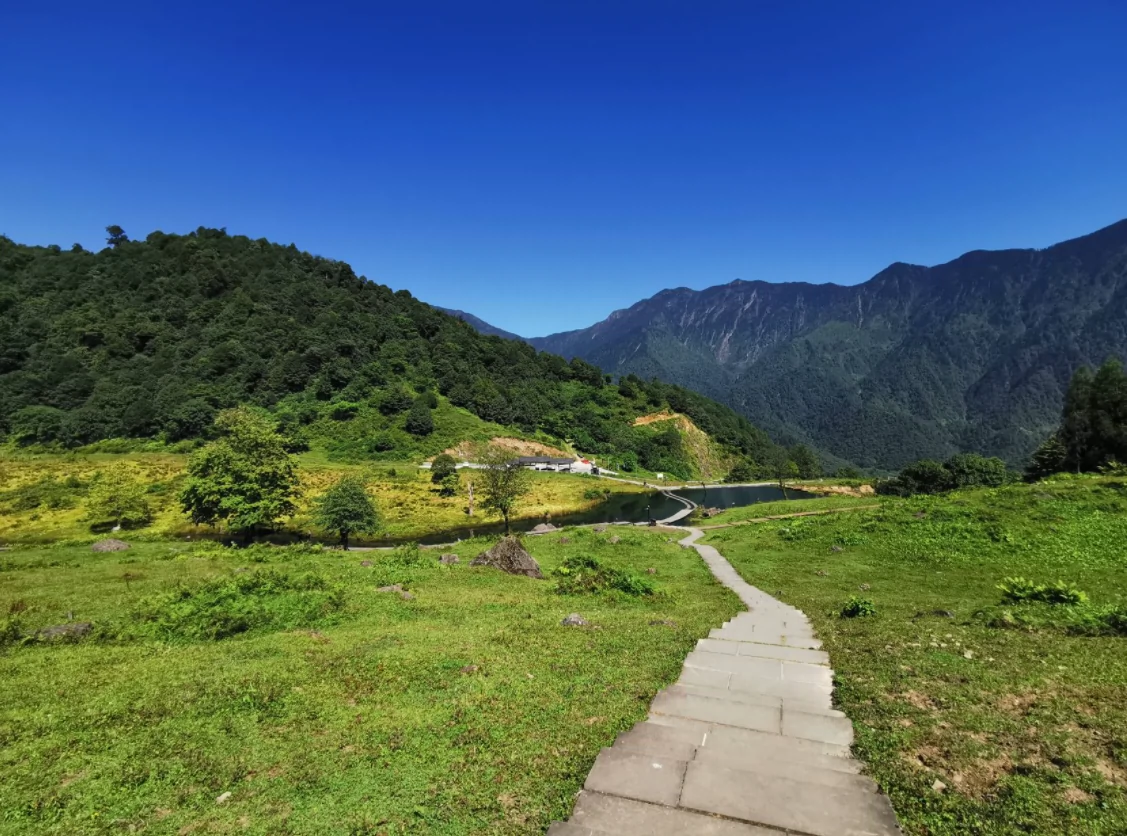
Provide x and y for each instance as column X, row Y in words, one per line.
column 746, row 743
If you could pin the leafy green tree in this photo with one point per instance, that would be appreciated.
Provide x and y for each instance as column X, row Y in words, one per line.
column 244, row 479
column 503, row 483
column 117, row 498
column 115, row 236
column 442, row 466
column 420, row 422
column 781, row 467
column 1093, row 427
column 1047, row 459
column 806, row 461
column 848, row 472
column 742, row 471
column 449, row 485
column 972, row 470
column 347, row 509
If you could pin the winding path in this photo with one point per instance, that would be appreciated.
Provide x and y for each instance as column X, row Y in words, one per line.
column 746, row 743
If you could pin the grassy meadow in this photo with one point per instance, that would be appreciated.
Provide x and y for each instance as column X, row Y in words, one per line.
column 282, row 676
column 41, row 495
column 762, row 510
column 975, row 715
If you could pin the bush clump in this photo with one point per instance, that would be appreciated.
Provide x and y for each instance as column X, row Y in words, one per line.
column 582, row 574
column 858, row 607
column 225, row 607
column 1022, row 591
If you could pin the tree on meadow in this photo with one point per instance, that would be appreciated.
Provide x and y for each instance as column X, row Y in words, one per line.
column 442, row 466
column 503, row 483
column 346, row 509
column 117, row 499
column 244, row 479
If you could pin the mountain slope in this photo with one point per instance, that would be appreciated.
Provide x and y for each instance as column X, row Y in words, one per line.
column 970, row 355
column 480, row 325
column 150, row 338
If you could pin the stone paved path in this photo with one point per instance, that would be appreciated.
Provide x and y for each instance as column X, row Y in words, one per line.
column 746, row 743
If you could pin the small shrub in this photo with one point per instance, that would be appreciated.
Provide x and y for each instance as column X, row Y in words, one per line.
column 858, row 607
column 582, row 574
column 1021, row 590
column 226, row 607
column 596, row 493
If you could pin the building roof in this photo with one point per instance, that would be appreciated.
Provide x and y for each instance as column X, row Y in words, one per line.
column 541, row 460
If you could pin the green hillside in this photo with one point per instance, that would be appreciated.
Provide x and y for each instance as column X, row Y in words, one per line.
column 150, row 339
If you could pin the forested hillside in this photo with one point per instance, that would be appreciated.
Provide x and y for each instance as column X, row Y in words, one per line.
column 149, row 339
column 917, row 362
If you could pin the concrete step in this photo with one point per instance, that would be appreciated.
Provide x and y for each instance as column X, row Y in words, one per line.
column 638, row 776
column 660, row 741
column 783, row 671
column 756, row 699
column 731, row 740
column 679, row 738
column 797, row 691
column 785, row 803
column 728, row 647
column 824, row 770
column 816, row 726
column 767, row 718
column 764, row 637
column 563, row 828
column 625, row 817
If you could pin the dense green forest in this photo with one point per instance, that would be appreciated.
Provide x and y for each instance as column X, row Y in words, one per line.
column 150, row 339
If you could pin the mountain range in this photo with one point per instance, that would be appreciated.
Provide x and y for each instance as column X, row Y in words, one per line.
column 971, row 355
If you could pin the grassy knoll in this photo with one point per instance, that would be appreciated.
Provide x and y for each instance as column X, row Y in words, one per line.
column 323, row 706
column 769, row 509
column 42, row 496
column 1018, row 710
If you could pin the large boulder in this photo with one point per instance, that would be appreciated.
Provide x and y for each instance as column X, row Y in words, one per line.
column 509, row 556
column 543, row 528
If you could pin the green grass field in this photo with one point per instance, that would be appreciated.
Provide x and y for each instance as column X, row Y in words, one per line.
column 283, row 677
column 409, row 503
column 1018, row 711
column 769, row 509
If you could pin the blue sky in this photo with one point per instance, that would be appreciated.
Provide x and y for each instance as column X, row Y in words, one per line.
column 543, row 163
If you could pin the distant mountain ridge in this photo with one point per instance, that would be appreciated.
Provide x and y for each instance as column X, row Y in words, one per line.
column 917, row 361
column 479, row 324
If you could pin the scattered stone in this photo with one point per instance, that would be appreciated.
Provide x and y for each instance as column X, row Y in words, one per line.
column 614, row 539
column 711, row 512
column 663, row 622
column 224, row 798
column 110, row 545
column 448, row 559
column 968, row 654
column 651, row 571
column 71, row 630
column 935, row 613
column 508, row 556
column 864, row 587
column 395, row 587
column 406, row 596
column 543, row 528
column 938, row 786
column 822, row 573
column 564, row 541
column 470, row 669
column 365, row 563
column 599, row 529
column 241, row 569
column 835, row 549
column 574, row 620
column 919, row 515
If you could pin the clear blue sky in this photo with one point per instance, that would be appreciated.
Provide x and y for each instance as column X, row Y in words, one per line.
column 540, row 163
